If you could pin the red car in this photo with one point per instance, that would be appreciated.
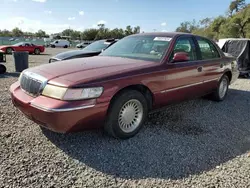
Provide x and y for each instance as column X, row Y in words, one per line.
column 23, row 46
column 118, row 88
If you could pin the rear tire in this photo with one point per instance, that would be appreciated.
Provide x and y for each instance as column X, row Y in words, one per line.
column 37, row 51
column 222, row 89
column 126, row 114
column 66, row 46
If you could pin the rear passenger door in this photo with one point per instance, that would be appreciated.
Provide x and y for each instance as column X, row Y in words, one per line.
column 183, row 79
column 210, row 62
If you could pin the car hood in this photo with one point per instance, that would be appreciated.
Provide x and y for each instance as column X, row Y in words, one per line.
column 83, row 70
column 1, row 47
column 68, row 54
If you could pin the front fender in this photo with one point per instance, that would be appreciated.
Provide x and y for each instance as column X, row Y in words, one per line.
column 111, row 90
column 233, row 69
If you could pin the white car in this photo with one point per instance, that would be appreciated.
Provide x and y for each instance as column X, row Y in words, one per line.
column 83, row 44
column 60, row 43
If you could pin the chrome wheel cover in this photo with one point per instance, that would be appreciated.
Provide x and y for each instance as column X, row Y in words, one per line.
column 223, row 87
column 9, row 51
column 130, row 115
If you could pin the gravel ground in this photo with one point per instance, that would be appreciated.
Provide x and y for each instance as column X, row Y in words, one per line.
column 198, row 143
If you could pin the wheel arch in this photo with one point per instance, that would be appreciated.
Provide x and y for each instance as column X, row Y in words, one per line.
column 229, row 74
column 9, row 47
column 144, row 90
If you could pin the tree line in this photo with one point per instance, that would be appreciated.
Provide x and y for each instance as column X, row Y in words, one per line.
column 234, row 24
column 89, row 34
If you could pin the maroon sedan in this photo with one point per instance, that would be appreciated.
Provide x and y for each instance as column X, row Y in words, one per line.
column 118, row 88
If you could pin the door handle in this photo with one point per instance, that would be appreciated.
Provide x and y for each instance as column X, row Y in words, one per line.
column 221, row 65
column 199, row 69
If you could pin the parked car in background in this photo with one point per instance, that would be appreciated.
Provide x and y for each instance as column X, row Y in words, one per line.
column 83, row 44
column 60, row 43
column 93, row 49
column 23, row 46
column 240, row 49
column 118, row 88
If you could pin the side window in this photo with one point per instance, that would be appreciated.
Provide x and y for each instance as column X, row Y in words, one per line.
column 185, row 44
column 27, row 44
column 208, row 50
column 56, row 42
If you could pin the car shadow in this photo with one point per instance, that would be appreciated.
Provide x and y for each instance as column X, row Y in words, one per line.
column 185, row 139
column 10, row 74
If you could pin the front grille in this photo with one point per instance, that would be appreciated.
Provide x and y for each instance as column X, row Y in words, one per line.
column 31, row 83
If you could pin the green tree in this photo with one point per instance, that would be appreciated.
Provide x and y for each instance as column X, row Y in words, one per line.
column 5, row 33
column 136, row 29
column 187, row 27
column 216, row 25
column 228, row 30
column 67, row 32
column 241, row 21
column 101, row 26
column 206, row 22
column 103, row 33
column 16, row 32
column 236, row 6
column 40, row 33
column 117, row 33
column 89, row 34
column 75, row 35
column 129, row 30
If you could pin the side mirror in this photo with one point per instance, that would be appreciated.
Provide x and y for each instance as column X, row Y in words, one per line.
column 180, row 57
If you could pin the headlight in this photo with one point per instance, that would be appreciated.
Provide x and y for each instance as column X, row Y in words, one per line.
column 54, row 91
column 72, row 94
column 86, row 93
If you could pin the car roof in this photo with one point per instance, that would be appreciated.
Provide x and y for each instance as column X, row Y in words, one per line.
column 163, row 34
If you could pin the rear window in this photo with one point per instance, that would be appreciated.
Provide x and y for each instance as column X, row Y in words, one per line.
column 208, row 50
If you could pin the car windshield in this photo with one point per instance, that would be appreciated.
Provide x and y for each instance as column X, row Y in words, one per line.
column 18, row 44
column 151, row 48
column 96, row 46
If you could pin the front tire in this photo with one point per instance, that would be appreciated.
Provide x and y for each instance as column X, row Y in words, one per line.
column 66, row 46
column 222, row 89
column 9, row 51
column 126, row 114
column 2, row 69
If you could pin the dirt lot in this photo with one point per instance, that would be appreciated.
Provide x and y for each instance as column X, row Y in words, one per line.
column 198, row 143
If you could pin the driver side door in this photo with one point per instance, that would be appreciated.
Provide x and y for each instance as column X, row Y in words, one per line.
column 183, row 79
column 24, row 47
column 29, row 48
